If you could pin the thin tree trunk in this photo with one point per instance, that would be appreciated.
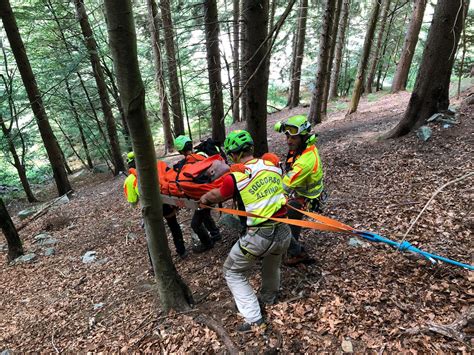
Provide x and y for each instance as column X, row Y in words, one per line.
column 294, row 98
column 376, row 57
column 315, row 109
column 327, row 82
column 159, row 77
column 79, row 125
column 411, row 39
column 236, row 62
column 211, row 23
column 178, row 123
column 244, row 71
column 15, row 248
column 20, row 168
column 50, row 143
column 255, row 16
column 341, row 33
column 369, row 35
column 173, row 292
column 115, row 94
column 464, row 48
column 91, row 46
column 71, row 144
column 430, row 94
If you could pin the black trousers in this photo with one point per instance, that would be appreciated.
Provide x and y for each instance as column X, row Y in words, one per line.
column 202, row 224
column 169, row 213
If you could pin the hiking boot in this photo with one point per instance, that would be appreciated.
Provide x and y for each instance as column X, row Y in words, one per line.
column 301, row 258
column 201, row 248
column 245, row 327
column 216, row 238
column 267, row 299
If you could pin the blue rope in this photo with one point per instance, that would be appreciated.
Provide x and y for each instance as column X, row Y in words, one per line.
column 406, row 246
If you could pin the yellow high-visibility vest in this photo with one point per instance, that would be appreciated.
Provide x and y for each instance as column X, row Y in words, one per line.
column 306, row 174
column 130, row 187
column 260, row 188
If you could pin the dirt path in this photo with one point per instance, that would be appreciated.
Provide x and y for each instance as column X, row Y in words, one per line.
column 371, row 297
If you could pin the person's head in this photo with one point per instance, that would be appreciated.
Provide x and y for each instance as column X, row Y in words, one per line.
column 238, row 146
column 297, row 130
column 183, row 145
column 131, row 160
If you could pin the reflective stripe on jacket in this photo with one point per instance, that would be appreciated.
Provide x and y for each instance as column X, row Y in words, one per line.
column 305, row 176
column 130, row 186
column 260, row 188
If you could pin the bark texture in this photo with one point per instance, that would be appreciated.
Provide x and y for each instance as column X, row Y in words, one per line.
column 159, row 77
column 430, row 94
column 369, row 36
column 411, row 39
column 378, row 45
column 341, row 37
column 214, row 69
column 173, row 292
column 316, row 106
column 332, row 50
column 49, row 139
column 15, row 248
column 255, row 17
column 92, row 48
column 178, row 123
column 294, row 97
column 236, row 60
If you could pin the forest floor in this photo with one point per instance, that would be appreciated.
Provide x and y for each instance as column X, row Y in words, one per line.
column 368, row 298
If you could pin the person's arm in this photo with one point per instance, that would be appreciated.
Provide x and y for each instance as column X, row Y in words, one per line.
column 212, row 197
column 225, row 192
column 298, row 174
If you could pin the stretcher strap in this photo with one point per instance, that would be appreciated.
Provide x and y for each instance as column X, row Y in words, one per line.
column 322, row 226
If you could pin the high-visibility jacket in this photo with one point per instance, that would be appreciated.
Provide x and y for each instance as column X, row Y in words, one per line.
column 304, row 173
column 260, row 189
column 130, row 186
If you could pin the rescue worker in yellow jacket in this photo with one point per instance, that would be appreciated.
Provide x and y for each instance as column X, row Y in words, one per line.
column 130, row 187
column 202, row 222
column 257, row 188
column 303, row 180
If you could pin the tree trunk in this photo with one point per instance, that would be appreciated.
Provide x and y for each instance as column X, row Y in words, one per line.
column 376, row 57
column 464, row 47
column 369, row 35
column 159, row 77
column 294, row 98
column 50, row 143
column 411, row 39
column 255, row 17
column 244, row 71
column 79, row 125
column 173, row 292
column 327, row 82
column 211, row 22
column 430, row 94
column 178, row 123
column 91, row 46
column 115, row 94
column 315, row 109
column 341, row 34
column 235, row 57
column 20, row 168
column 15, row 248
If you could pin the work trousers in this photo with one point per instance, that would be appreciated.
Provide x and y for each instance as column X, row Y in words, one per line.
column 295, row 247
column 169, row 213
column 267, row 244
column 202, row 224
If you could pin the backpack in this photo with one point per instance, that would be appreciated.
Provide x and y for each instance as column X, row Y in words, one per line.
column 210, row 147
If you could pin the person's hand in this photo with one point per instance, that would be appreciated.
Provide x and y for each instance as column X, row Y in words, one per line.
column 203, row 200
